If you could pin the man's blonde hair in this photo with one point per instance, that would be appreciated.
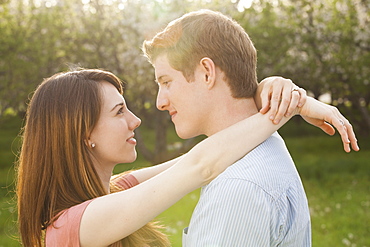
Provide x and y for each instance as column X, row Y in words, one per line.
column 206, row 33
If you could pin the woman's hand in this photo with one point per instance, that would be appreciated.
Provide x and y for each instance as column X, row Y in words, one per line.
column 279, row 95
column 325, row 117
column 284, row 98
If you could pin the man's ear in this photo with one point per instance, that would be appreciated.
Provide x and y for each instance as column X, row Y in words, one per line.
column 209, row 69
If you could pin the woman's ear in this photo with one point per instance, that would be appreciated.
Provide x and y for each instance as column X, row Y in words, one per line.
column 209, row 69
column 89, row 143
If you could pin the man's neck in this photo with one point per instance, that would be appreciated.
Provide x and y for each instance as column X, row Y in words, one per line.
column 230, row 111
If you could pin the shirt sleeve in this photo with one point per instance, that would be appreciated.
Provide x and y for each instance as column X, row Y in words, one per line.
column 233, row 212
column 65, row 230
column 123, row 181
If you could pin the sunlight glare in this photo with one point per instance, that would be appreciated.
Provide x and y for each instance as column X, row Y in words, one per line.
column 121, row 6
column 244, row 4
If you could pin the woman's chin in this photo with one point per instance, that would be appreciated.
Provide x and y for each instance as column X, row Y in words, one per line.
column 131, row 158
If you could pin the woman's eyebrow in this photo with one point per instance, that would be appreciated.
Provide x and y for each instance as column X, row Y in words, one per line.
column 119, row 104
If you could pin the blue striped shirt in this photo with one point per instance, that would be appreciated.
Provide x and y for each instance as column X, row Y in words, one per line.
column 258, row 201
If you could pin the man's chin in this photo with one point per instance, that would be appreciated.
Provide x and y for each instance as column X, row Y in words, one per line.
column 185, row 134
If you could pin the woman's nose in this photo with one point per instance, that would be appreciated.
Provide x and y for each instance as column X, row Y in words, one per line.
column 135, row 122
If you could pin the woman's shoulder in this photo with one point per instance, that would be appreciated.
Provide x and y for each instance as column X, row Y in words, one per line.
column 65, row 230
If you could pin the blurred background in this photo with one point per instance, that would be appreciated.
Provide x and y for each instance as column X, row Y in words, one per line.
column 322, row 45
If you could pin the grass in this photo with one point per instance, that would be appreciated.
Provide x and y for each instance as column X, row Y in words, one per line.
column 337, row 186
column 9, row 128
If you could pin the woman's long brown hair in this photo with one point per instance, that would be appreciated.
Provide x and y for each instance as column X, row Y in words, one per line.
column 55, row 170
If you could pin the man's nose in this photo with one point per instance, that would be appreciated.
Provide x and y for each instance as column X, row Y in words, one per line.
column 162, row 100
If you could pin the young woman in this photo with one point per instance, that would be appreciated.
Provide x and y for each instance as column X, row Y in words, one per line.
column 78, row 128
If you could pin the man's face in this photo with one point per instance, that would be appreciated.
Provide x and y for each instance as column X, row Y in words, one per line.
column 182, row 99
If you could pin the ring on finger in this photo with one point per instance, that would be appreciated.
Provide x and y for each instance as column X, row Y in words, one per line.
column 341, row 121
column 294, row 90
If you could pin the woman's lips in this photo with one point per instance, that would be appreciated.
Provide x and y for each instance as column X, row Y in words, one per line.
column 132, row 140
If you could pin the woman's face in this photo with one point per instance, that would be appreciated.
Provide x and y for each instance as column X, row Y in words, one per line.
column 113, row 134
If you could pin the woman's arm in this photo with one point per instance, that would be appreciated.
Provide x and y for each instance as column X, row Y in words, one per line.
column 275, row 94
column 271, row 90
column 144, row 174
column 122, row 213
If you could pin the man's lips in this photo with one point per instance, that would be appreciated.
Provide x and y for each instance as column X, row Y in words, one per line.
column 173, row 114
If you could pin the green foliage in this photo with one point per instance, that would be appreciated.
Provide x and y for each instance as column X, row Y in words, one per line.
column 40, row 39
column 322, row 45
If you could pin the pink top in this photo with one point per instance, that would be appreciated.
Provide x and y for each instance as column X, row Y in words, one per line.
column 65, row 230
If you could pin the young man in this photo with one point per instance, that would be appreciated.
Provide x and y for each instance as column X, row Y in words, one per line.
column 205, row 65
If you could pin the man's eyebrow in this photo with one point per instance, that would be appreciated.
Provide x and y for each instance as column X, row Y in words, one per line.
column 160, row 79
column 119, row 104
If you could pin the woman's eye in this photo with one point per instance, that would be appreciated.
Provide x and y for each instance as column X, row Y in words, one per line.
column 120, row 111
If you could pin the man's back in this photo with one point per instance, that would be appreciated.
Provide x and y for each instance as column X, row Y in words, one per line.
column 258, row 201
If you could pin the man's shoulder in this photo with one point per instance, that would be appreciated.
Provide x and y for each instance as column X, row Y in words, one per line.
column 272, row 154
column 268, row 167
